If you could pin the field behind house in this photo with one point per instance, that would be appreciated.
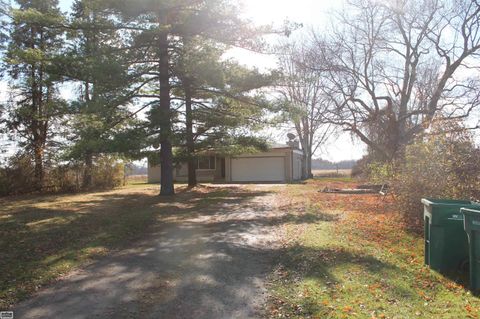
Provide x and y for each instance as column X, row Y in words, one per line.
column 331, row 172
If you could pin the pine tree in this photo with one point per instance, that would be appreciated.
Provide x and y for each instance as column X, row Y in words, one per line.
column 217, row 97
column 94, row 62
column 156, row 28
column 34, row 39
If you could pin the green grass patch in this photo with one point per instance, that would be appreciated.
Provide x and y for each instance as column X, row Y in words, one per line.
column 358, row 264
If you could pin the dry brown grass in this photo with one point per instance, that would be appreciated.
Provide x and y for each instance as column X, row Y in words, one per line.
column 136, row 179
column 45, row 237
column 331, row 172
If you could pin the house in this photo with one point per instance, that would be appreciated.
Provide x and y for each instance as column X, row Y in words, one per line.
column 280, row 164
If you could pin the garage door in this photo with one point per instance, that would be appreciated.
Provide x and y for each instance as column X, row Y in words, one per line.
column 258, row 169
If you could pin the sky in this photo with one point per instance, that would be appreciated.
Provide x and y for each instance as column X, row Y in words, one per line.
column 310, row 13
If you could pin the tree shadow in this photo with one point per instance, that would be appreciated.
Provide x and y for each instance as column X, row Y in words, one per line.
column 319, row 267
column 207, row 257
column 42, row 235
column 174, row 278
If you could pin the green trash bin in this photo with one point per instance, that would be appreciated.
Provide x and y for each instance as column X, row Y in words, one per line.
column 472, row 228
column 446, row 242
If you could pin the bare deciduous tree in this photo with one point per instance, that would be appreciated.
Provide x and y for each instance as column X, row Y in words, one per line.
column 304, row 101
column 392, row 67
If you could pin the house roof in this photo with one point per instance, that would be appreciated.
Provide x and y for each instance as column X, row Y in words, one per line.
column 278, row 145
column 284, row 146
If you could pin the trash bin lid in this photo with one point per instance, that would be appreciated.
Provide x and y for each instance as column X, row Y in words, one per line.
column 446, row 211
column 434, row 202
column 472, row 218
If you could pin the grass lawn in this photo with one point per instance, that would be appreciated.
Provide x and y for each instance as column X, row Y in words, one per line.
column 45, row 237
column 343, row 256
column 352, row 257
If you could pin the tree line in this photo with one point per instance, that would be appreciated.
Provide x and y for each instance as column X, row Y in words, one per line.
column 384, row 72
column 122, row 58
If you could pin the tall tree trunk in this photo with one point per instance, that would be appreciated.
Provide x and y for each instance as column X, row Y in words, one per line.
column 87, row 173
column 308, row 147
column 309, row 163
column 303, row 143
column 38, row 169
column 306, row 165
column 166, row 180
column 192, row 177
column 36, row 128
column 303, row 135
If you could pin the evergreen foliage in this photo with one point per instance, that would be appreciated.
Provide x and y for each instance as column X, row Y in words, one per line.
column 33, row 39
column 146, row 74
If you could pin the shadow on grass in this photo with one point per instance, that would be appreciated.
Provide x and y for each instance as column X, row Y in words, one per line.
column 317, row 269
column 203, row 257
column 320, row 260
column 186, row 272
column 44, row 236
column 460, row 276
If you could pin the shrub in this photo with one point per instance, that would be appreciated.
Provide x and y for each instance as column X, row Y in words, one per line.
column 63, row 178
column 380, row 173
column 367, row 166
column 108, row 172
column 443, row 164
column 17, row 175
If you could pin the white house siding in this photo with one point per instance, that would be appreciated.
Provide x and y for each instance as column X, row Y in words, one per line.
column 297, row 165
column 154, row 173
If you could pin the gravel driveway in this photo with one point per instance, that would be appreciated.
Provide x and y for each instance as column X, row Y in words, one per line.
column 210, row 265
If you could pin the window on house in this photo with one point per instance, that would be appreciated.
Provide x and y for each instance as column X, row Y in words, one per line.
column 206, row 162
